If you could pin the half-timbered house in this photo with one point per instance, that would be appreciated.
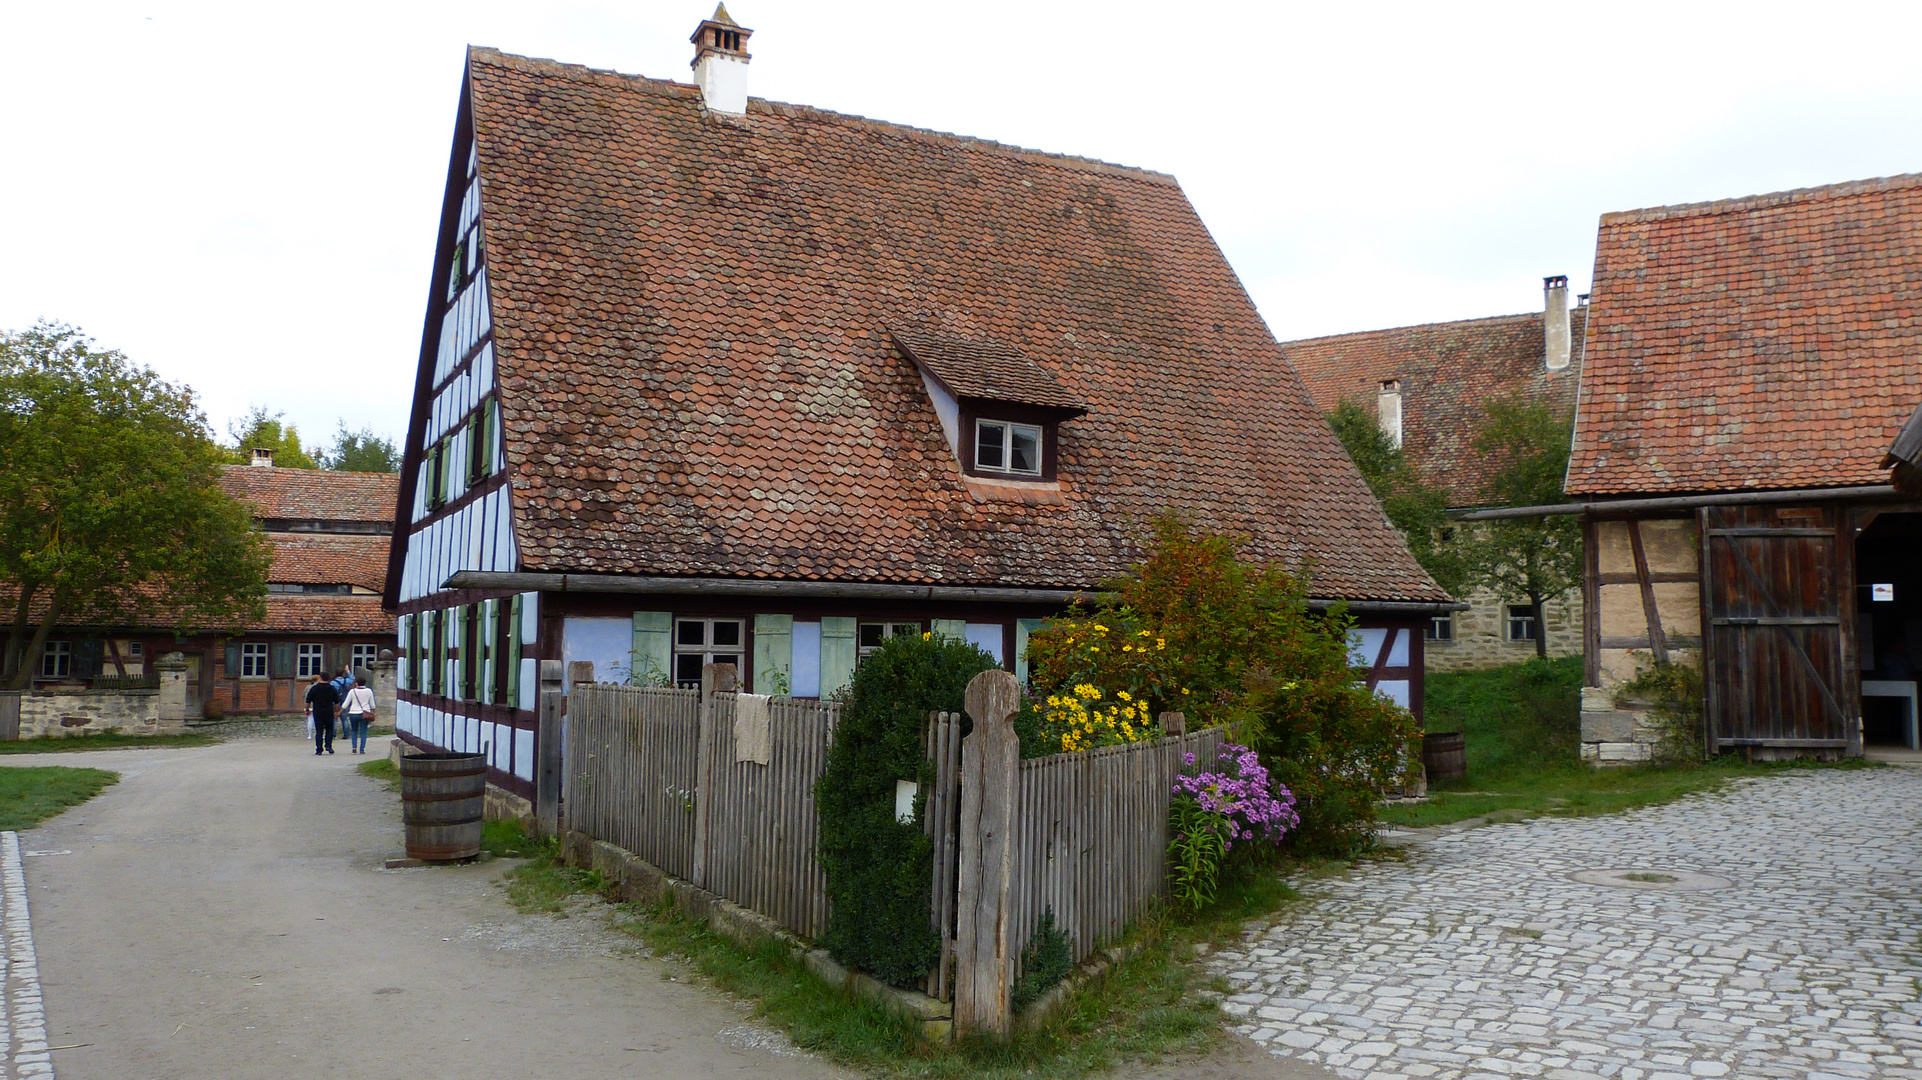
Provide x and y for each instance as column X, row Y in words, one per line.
column 711, row 378
column 1428, row 387
column 1748, row 363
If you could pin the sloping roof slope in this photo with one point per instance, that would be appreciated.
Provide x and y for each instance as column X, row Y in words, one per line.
column 1447, row 372
column 313, row 494
column 1764, row 342
column 311, row 559
column 985, row 369
column 691, row 318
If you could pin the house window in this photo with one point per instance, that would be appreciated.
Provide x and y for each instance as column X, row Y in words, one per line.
column 253, row 660
column 1442, row 627
column 1524, row 622
column 874, row 634
column 699, row 642
column 56, row 660
column 134, row 651
column 365, row 655
column 437, row 475
column 480, row 443
column 311, row 661
column 1000, row 446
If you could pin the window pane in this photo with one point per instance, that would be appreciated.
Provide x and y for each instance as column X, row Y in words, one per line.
column 989, row 449
column 871, row 635
column 1025, row 455
column 727, row 633
column 687, row 667
column 691, row 632
column 906, row 629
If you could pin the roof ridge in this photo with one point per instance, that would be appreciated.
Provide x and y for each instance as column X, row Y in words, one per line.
column 1775, row 198
column 787, row 109
column 1419, row 326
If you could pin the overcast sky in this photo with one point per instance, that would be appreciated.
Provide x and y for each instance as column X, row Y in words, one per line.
column 245, row 196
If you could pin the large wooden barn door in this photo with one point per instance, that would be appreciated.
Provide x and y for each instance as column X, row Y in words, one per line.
column 1778, row 586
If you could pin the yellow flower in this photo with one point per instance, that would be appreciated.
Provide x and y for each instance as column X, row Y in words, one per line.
column 1127, row 648
column 1101, row 628
column 1094, row 648
column 1123, row 695
column 1184, row 691
column 927, row 635
column 1161, row 643
column 1144, row 633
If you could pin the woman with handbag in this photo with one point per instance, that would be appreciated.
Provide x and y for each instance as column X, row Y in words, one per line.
column 359, row 710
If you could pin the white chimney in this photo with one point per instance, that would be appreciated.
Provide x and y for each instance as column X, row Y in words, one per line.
column 720, row 63
column 1388, row 411
column 1555, row 321
column 263, row 457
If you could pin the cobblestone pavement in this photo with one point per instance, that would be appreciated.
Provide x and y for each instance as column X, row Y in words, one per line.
column 1482, row 957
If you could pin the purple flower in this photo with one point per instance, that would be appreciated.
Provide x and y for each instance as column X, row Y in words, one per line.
column 1243, row 794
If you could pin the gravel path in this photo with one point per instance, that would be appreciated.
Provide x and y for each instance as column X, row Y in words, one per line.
column 1785, row 944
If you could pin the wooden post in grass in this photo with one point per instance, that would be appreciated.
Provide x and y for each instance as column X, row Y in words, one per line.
column 547, row 751
column 990, row 756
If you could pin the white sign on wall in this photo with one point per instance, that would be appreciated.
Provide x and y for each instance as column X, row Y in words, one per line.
column 1884, row 593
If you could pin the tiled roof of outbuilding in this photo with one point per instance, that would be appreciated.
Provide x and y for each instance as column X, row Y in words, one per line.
column 313, row 494
column 323, row 559
column 692, row 313
column 1448, row 371
column 1764, row 342
column 327, row 615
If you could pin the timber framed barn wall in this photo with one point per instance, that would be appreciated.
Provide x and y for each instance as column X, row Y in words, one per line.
column 1748, row 363
column 1428, row 387
column 711, row 380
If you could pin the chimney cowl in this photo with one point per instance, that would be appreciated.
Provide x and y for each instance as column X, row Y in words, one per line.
column 720, row 62
column 1556, row 348
column 263, row 457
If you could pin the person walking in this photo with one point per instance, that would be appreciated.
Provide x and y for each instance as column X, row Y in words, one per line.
column 321, row 698
column 343, row 682
column 358, row 710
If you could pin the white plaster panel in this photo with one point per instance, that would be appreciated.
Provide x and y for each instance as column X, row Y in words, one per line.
column 988, row 638
column 1398, row 652
column 804, row 677
column 607, row 643
column 1364, row 644
column 1395, row 690
column 524, row 754
column 530, row 619
column 530, row 683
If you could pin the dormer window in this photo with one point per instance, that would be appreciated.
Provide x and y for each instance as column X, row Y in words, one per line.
column 1001, row 446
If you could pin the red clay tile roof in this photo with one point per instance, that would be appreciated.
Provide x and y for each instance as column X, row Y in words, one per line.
column 1765, row 342
column 321, row 559
column 972, row 368
column 328, row 615
column 1447, row 372
column 691, row 319
column 313, row 494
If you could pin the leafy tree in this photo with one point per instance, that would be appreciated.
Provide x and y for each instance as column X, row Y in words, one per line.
column 1527, row 445
column 1413, row 506
column 260, row 429
column 361, row 451
column 110, row 502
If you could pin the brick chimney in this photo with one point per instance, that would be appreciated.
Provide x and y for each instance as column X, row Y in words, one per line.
column 1555, row 321
column 263, row 457
column 720, row 63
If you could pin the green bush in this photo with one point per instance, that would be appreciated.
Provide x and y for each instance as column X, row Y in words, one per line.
column 1046, row 961
column 1518, row 719
column 1676, row 696
column 880, row 872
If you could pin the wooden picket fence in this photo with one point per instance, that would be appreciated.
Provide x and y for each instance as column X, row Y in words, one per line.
column 654, row 771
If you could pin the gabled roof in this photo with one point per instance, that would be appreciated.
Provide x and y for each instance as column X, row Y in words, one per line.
column 989, row 370
column 313, row 494
column 691, row 320
column 1764, row 342
column 322, row 559
column 1448, row 372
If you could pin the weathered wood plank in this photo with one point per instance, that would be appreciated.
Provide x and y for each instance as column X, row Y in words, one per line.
column 990, row 758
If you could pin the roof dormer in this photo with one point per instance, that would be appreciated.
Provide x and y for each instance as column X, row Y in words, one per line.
column 1000, row 411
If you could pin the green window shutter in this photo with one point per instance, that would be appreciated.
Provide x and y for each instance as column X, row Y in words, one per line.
column 650, row 659
column 954, row 628
column 838, row 653
column 514, row 654
column 339, row 656
column 489, row 633
column 232, row 660
column 1022, row 628
column 773, row 654
column 281, row 660
column 410, row 649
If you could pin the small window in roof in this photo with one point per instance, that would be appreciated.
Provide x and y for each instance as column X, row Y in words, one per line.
column 1002, row 446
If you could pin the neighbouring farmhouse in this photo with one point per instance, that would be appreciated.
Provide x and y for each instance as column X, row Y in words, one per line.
column 330, row 537
column 1427, row 387
column 708, row 378
column 1749, row 363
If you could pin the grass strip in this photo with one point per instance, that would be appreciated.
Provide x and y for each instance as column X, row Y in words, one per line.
column 108, row 740
column 32, row 794
column 382, row 770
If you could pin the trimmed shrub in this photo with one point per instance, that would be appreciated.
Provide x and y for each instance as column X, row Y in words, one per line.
column 880, row 872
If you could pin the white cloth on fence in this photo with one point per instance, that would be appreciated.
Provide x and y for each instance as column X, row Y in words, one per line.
column 753, row 737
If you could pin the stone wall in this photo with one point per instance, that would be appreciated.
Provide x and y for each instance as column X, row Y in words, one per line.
column 1613, row 735
column 1481, row 633
column 64, row 711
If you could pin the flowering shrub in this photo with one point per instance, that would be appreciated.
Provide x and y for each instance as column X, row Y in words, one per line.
column 1213, row 810
column 1111, row 682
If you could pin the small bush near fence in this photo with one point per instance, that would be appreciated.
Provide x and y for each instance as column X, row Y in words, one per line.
column 880, row 870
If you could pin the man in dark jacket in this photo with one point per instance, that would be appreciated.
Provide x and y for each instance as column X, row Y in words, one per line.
column 321, row 698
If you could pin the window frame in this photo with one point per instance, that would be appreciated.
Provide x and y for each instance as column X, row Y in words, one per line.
column 310, row 660
column 975, row 411
column 1528, row 614
column 253, row 660
column 60, row 651
column 1009, row 430
column 1441, row 627
column 890, row 628
column 355, row 652
column 709, row 652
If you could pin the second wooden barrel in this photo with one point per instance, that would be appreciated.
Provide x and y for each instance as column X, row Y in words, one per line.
column 441, row 799
column 1444, row 755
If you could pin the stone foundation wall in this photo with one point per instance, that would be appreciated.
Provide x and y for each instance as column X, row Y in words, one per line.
column 90, row 712
column 1481, row 633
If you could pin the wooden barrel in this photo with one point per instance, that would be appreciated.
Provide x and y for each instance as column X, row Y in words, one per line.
column 1444, row 755
column 441, row 797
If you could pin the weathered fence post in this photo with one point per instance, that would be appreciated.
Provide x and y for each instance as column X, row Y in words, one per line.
column 715, row 679
column 990, row 757
column 1174, row 723
column 547, row 752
